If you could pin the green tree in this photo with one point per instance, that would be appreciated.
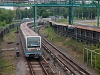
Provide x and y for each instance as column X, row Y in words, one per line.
column 6, row 16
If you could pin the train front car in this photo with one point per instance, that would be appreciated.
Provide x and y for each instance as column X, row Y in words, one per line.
column 31, row 41
column 33, row 44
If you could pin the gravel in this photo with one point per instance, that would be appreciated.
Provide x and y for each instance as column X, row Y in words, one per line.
column 21, row 67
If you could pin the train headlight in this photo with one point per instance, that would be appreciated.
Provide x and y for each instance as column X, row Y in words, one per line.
column 28, row 49
column 38, row 48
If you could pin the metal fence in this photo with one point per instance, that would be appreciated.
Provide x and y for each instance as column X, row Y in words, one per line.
column 0, row 59
column 92, row 57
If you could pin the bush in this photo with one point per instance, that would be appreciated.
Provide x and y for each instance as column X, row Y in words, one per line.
column 3, row 23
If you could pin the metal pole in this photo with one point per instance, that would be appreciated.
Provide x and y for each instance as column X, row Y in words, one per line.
column 95, row 60
column 76, row 33
column 87, row 55
column 91, row 57
column 98, row 14
column 72, row 15
column 35, row 18
column 83, row 54
column 70, row 12
column 0, row 59
column 20, row 14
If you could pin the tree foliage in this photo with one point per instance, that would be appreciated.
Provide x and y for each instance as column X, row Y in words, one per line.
column 85, row 13
column 79, row 12
column 41, row 11
column 6, row 16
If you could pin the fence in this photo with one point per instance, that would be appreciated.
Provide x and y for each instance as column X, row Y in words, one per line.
column 0, row 60
column 92, row 57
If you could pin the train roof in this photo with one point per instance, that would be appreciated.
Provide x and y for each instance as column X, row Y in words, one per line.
column 27, row 31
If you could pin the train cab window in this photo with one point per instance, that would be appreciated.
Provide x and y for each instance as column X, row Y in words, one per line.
column 33, row 42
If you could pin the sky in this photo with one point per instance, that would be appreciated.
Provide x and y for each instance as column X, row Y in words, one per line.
column 7, row 7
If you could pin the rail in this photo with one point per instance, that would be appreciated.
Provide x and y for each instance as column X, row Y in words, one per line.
column 41, row 65
column 70, row 65
column 78, row 68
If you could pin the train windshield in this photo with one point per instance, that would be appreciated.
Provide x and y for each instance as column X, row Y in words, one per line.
column 33, row 42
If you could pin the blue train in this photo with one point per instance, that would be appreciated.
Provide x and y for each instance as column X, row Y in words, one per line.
column 31, row 41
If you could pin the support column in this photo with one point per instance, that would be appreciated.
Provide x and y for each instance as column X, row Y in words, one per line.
column 97, row 6
column 71, row 12
column 98, row 15
column 70, row 15
column 35, row 18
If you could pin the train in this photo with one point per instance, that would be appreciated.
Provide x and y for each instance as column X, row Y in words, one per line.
column 31, row 41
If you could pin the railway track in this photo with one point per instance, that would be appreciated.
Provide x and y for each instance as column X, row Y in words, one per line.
column 39, row 67
column 67, row 64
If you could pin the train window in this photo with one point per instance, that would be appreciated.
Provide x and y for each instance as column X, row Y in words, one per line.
column 33, row 42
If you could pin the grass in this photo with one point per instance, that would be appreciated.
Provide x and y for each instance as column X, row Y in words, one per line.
column 91, row 23
column 2, row 27
column 77, row 45
column 8, row 60
column 10, row 36
column 64, row 21
column 12, row 23
column 7, row 67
